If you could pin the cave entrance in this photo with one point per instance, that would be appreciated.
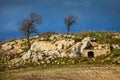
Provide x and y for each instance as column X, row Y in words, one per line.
column 90, row 54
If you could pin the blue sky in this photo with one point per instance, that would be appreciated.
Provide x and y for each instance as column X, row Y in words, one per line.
column 92, row 15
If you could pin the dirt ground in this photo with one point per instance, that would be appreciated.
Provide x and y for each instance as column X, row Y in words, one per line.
column 65, row 73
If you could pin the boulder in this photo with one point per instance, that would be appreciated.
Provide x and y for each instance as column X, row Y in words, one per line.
column 55, row 37
column 117, row 60
column 27, row 55
column 69, row 36
column 42, row 46
column 76, row 49
column 17, row 48
column 7, row 46
column 85, row 43
column 33, row 56
column 115, row 46
column 64, row 44
column 54, row 52
column 71, row 55
column 15, row 61
column 20, row 41
column 63, row 54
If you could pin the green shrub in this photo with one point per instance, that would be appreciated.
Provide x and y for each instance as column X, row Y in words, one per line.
column 77, row 39
column 91, row 61
column 25, row 49
column 114, row 54
column 3, row 61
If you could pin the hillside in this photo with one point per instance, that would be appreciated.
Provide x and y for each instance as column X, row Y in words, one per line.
column 53, row 49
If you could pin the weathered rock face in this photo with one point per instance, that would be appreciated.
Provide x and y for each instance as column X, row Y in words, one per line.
column 7, row 46
column 42, row 46
column 55, row 37
column 115, row 46
column 61, row 48
column 64, row 44
column 97, row 50
column 76, row 49
column 12, row 47
column 27, row 55
column 117, row 60
column 33, row 56
column 86, row 42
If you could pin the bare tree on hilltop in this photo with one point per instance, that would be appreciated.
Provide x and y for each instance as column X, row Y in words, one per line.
column 28, row 26
column 69, row 21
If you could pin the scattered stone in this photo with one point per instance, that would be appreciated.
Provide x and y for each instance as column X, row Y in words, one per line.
column 7, row 46
column 115, row 46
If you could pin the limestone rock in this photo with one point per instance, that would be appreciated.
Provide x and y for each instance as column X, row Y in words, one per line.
column 15, row 61
column 63, row 54
column 27, row 55
column 115, row 46
column 69, row 36
column 64, row 44
column 54, row 52
column 86, row 42
column 32, row 55
column 59, row 46
column 20, row 41
column 117, row 60
column 71, row 55
column 7, row 46
column 55, row 37
column 42, row 46
column 76, row 49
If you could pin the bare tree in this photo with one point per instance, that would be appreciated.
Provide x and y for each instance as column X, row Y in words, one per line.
column 28, row 26
column 69, row 21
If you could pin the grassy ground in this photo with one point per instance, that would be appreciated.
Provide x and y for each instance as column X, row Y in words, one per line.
column 64, row 73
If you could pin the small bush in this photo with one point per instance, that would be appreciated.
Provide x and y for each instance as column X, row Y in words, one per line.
column 77, row 39
column 25, row 49
column 3, row 61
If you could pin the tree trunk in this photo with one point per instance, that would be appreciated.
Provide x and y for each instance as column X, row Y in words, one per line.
column 28, row 42
column 68, row 29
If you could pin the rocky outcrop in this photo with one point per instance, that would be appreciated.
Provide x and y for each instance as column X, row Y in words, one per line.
column 42, row 46
column 61, row 48
column 7, row 46
column 55, row 37
column 85, row 43
column 13, row 47
column 56, row 46
column 32, row 55
column 64, row 44
column 76, row 49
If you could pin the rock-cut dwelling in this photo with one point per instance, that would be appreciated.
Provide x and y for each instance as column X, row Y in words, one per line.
column 93, row 49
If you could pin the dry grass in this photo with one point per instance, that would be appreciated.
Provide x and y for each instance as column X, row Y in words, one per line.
column 67, row 73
